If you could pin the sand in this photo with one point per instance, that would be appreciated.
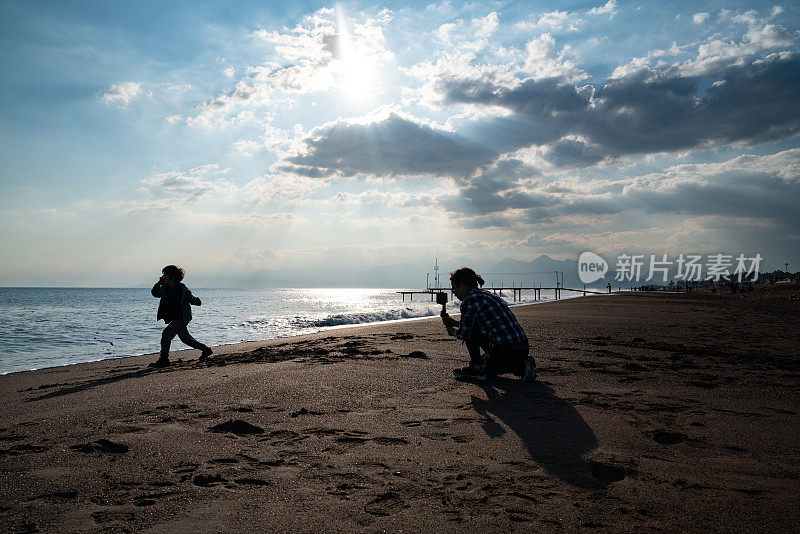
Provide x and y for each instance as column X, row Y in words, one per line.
column 651, row 412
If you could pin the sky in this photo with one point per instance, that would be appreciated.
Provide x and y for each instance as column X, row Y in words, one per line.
column 277, row 143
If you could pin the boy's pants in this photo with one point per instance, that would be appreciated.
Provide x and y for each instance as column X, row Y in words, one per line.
column 498, row 359
column 177, row 328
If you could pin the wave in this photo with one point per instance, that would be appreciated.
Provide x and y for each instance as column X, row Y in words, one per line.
column 341, row 319
column 365, row 317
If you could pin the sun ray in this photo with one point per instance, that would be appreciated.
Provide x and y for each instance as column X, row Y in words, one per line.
column 356, row 67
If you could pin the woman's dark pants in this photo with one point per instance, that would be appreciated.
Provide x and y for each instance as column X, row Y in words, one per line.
column 499, row 359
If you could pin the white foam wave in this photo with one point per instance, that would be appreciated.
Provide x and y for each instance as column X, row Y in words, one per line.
column 301, row 323
column 364, row 317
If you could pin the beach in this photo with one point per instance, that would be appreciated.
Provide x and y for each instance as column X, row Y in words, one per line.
column 651, row 412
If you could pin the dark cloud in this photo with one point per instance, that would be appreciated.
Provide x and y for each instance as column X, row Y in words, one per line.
column 509, row 170
column 762, row 196
column 394, row 146
column 494, row 188
column 483, row 195
column 646, row 112
column 576, row 153
column 641, row 113
column 758, row 102
column 718, row 190
column 544, row 110
column 309, row 172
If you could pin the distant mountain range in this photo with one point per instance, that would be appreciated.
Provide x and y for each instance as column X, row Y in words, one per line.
column 508, row 272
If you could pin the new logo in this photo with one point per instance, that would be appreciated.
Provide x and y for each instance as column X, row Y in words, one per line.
column 591, row 267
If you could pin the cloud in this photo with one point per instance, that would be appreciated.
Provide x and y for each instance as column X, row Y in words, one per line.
column 745, row 188
column 256, row 256
column 120, row 95
column 609, row 8
column 487, row 25
column 555, row 20
column 392, row 146
column 543, row 111
column 700, row 18
column 472, row 35
column 188, row 187
column 574, row 151
column 770, row 36
column 649, row 111
column 279, row 188
column 717, row 54
column 321, row 53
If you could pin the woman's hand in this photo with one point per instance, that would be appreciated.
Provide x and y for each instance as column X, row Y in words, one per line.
column 449, row 323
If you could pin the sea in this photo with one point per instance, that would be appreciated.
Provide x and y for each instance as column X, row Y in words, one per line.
column 49, row 327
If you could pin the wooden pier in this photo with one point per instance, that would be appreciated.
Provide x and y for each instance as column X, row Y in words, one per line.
column 516, row 292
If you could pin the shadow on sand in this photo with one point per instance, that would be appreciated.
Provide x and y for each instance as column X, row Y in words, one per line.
column 554, row 433
column 93, row 384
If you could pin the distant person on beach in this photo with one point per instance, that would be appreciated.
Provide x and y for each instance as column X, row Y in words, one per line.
column 487, row 323
column 175, row 308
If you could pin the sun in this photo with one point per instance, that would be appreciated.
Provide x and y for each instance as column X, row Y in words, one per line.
column 356, row 67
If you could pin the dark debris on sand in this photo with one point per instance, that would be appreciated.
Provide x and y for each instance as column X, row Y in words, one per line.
column 238, row 427
column 101, row 446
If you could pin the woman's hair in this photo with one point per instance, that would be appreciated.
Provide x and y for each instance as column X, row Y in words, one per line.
column 466, row 276
column 175, row 272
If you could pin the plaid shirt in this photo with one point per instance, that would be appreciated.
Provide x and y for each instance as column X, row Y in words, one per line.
column 484, row 314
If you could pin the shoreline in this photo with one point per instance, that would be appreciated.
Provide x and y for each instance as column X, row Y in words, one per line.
column 256, row 343
column 651, row 412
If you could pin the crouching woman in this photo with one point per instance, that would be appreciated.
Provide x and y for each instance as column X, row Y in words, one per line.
column 487, row 323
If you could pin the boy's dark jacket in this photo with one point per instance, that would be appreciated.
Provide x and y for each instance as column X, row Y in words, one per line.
column 186, row 300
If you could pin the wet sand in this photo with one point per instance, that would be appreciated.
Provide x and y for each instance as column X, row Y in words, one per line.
column 651, row 412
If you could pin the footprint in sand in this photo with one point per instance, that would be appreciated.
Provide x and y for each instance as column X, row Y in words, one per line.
column 401, row 335
column 669, row 438
column 111, row 516
column 251, row 482
column 352, row 439
column 208, row 480
column 385, row 504
column 23, row 448
column 57, row 496
column 390, row 441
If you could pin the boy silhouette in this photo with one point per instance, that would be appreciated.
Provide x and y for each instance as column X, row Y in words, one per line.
column 175, row 308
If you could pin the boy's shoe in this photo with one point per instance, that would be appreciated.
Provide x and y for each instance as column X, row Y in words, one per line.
column 471, row 373
column 161, row 362
column 529, row 371
column 206, row 353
